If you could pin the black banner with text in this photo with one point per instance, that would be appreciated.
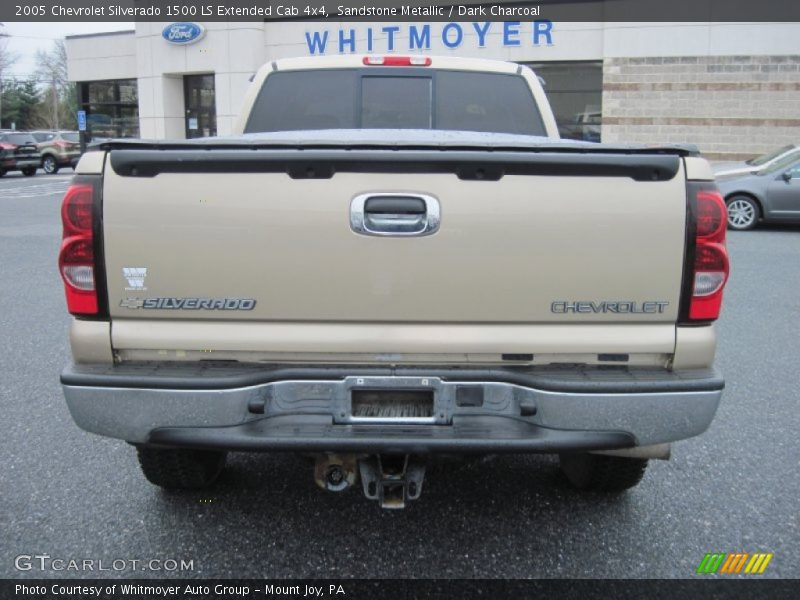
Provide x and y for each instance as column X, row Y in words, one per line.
column 396, row 589
column 398, row 10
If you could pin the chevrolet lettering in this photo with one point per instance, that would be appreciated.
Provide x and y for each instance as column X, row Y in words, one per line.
column 618, row 307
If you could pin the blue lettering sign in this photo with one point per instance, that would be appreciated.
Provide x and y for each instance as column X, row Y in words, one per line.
column 419, row 39
column 426, row 36
column 543, row 29
column 350, row 41
column 390, row 31
column 317, row 42
column 450, row 41
column 511, row 33
column 482, row 30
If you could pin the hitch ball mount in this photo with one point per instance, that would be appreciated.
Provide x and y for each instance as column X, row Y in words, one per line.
column 391, row 480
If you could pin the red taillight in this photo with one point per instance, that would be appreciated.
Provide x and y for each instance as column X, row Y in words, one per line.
column 62, row 144
column 76, row 210
column 76, row 261
column 397, row 61
column 711, row 221
column 711, row 267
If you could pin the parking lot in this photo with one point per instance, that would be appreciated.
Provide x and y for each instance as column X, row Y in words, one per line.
column 72, row 495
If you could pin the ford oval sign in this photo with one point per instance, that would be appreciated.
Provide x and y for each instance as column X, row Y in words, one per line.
column 183, row 33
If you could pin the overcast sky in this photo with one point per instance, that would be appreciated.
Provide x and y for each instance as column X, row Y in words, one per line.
column 24, row 39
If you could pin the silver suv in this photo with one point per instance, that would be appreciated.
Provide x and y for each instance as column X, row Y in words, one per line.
column 58, row 148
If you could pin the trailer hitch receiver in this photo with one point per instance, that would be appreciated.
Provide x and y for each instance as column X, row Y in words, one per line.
column 392, row 480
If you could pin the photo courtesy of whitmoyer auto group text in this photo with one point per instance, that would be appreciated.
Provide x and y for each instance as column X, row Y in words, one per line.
column 399, row 300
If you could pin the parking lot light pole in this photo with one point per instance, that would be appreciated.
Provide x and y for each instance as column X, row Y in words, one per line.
column 2, row 74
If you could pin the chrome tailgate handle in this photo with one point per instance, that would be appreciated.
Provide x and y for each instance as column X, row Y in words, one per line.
column 393, row 214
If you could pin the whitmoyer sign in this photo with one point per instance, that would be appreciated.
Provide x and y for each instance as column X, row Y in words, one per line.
column 428, row 36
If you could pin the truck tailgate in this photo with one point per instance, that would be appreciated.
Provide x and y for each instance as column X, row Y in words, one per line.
column 534, row 252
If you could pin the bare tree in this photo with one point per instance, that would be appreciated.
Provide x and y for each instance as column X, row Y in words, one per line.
column 51, row 70
column 7, row 59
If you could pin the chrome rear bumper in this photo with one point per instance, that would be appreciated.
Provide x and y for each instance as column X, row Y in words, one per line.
column 470, row 414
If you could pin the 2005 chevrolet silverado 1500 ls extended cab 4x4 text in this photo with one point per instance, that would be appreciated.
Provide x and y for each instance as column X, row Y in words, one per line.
column 393, row 258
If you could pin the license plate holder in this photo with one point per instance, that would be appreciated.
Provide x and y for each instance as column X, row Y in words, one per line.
column 403, row 400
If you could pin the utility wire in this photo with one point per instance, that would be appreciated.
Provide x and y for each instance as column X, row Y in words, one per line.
column 26, row 77
column 31, row 37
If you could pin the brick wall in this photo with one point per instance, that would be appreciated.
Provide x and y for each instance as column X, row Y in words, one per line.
column 732, row 107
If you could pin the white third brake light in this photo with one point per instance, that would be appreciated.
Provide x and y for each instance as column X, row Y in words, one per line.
column 397, row 61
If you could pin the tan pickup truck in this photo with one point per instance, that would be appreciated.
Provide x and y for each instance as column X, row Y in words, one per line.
column 394, row 258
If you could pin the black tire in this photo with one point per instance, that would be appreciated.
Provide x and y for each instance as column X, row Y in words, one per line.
column 3, row 172
column 743, row 212
column 601, row 472
column 29, row 171
column 179, row 468
column 50, row 165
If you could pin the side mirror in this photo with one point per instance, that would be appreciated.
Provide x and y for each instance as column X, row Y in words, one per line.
column 786, row 176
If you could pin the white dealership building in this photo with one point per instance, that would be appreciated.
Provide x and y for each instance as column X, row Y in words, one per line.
column 731, row 88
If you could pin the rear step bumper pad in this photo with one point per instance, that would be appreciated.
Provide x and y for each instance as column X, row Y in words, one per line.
column 468, row 414
column 478, row 434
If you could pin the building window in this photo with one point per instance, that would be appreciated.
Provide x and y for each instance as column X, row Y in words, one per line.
column 112, row 107
column 575, row 91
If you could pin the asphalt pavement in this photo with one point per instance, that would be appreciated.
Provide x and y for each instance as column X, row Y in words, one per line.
column 73, row 496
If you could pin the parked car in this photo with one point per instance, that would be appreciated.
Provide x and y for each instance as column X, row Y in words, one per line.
column 18, row 152
column 771, row 194
column 58, row 148
column 586, row 125
column 758, row 163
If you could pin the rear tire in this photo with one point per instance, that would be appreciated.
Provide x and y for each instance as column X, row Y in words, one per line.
column 180, row 468
column 50, row 165
column 743, row 213
column 29, row 171
column 3, row 172
column 601, row 472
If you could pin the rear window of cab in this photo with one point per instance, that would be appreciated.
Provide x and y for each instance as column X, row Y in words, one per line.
column 391, row 98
